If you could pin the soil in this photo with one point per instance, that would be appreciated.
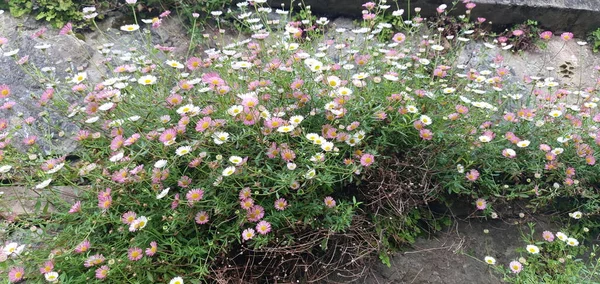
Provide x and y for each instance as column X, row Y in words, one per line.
column 455, row 255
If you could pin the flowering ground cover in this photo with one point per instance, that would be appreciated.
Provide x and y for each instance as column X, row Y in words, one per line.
column 290, row 155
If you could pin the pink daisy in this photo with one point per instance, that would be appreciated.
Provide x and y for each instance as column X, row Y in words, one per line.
column 425, row 134
column 245, row 193
column 280, row 204
column 202, row 217
column 366, row 160
column 263, row 227
column 247, row 203
column 75, row 208
column 4, row 91
column 135, row 254
column 82, row 247
column 151, row 251
column 47, row 267
column 102, row 272
column 16, row 274
column 184, row 182
column 399, row 38
column 248, row 234
column 329, row 202
column 128, row 217
column 194, row 195
column 515, row 266
column 472, row 175
column 255, row 213
column 548, row 236
column 94, row 260
column 66, row 29
column 481, row 204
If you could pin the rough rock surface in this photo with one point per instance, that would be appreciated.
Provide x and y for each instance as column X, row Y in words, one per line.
column 567, row 62
column 68, row 55
column 579, row 16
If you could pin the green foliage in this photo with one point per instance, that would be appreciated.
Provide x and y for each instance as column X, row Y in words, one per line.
column 595, row 38
column 567, row 260
column 55, row 12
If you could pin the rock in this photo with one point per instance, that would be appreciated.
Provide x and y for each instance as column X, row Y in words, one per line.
column 20, row 200
column 68, row 55
column 64, row 53
column 567, row 62
column 580, row 16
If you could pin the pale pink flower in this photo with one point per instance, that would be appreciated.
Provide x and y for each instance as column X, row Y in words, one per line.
column 75, row 208
column 367, row 160
column 16, row 274
column 472, row 175
column 481, row 204
column 102, row 272
column 201, row 218
column 280, row 204
column 263, row 227
column 82, row 247
column 329, row 202
column 548, row 236
column 566, row 36
column 515, row 266
column 248, row 234
column 151, row 251
column 135, row 254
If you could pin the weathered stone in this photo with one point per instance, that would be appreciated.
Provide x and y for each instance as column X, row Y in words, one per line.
column 568, row 63
column 577, row 16
column 21, row 200
column 68, row 55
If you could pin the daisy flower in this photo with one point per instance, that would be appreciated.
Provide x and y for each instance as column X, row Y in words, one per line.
column 523, row 143
column 472, row 175
column 533, row 249
column 151, row 251
column 576, row 215
column 130, row 28
column 102, row 272
column 16, row 274
column 51, row 276
column 548, row 236
column 174, row 64
column 201, row 217
column 147, row 80
column 280, row 204
column 481, row 204
column 47, row 267
column 183, row 150
column 367, row 160
column 82, row 247
column 80, row 77
column 329, row 202
column 135, row 254
column 572, row 242
column 263, row 227
column 220, row 137
column 248, row 234
column 194, row 195
column 128, row 217
column 228, row 171
column 561, row 236
column 515, row 266
column 490, row 260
